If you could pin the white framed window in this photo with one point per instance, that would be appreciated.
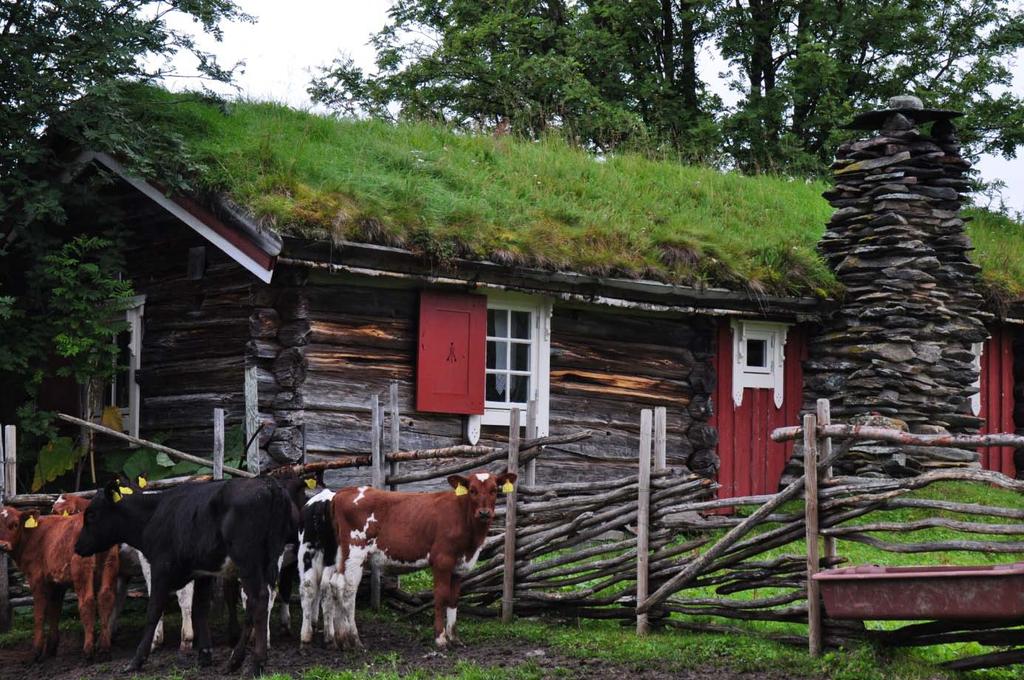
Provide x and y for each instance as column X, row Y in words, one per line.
column 758, row 355
column 123, row 392
column 518, row 357
column 978, row 348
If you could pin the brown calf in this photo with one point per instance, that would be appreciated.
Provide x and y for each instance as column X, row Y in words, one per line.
column 44, row 550
column 444, row 530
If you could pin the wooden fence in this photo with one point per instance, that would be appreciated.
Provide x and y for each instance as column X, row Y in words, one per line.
column 658, row 547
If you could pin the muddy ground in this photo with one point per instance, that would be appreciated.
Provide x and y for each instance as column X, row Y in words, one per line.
column 402, row 646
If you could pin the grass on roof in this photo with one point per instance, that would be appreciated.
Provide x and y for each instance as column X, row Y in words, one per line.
column 542, row 204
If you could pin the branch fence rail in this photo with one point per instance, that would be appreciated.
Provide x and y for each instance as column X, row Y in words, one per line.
column 657, row 547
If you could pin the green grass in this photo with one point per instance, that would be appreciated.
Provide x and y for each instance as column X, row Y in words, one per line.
column 542, row 203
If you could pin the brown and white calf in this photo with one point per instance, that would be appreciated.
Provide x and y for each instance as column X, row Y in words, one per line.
column 43, row 549
column 443, row 530
column 132, row 564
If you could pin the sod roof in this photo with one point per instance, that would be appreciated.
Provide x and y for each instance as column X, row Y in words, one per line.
column 542, row 204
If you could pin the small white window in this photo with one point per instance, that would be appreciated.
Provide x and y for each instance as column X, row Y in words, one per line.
column 124, row 392
column 758, row 358
column 518, row 357
column 978, row 348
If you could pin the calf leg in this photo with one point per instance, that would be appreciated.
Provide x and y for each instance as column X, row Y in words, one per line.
column 85, row 589
column 444, row 610
column 347, row 582
column 452, row 608
column 147, row 576
column 119, row 599
column 185, row 599
column 40, row 607
column 286, row 581
column 54, row 604
column 107, row 601
column 158, row 595
column 309, row 590
column 231, row 604
column 256, row 615
column 199, row 592
column 327, row 603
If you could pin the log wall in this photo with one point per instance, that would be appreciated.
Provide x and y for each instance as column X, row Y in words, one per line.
column 194, row 338
column 324, row 344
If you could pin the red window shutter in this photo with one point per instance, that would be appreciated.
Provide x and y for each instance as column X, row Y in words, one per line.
column 450, row 367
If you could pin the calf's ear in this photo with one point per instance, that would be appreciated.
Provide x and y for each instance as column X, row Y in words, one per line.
column 460, row 484
column 113, row 490
column 507, row 482
column 30, row 520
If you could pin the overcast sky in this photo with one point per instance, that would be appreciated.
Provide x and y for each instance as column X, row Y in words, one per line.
column 289, row 39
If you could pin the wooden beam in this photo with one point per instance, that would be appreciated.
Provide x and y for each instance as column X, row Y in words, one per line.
column 173, row 453
column 377, row 481
column 508, row 580
column 643, row 518
column 961, row 441
column 814, row 629
column 252, row 419
column 218, row 443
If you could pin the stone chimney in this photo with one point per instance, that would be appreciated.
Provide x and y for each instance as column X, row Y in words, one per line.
column 898, row 350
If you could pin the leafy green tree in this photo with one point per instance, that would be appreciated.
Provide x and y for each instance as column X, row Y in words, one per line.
column 806, row 66
column 67, row 74
column 603, row 73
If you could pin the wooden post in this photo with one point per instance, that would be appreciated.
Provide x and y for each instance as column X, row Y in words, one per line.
column 509, row 580
column 218, row 443
column 5, row 602
column 531, row 433
column 252, row 420
column 377, row 481
column 814, row 628
column 394, row 443
column 825, row 418
column 660, row 438
column 643, row 517
column 11, row 460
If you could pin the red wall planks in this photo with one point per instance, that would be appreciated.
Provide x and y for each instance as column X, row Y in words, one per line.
column 750, row 462
column 997, row 404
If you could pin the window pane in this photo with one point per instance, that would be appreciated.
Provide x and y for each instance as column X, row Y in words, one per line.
column 497, row 323
column 496, row 386
column 520, row 388
column 520, row 357
column 497, row 354
column 757, row 353
column 521, row 325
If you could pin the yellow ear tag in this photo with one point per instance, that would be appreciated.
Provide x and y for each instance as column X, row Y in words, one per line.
column 126, row 490
column 461, row 490
column 116, row 497
column 142, row 482
column 507, row 487
column 311, row 483
column 31, row 523
column 65, row 514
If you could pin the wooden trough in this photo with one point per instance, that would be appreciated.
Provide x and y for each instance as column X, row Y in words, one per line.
column 949, row 593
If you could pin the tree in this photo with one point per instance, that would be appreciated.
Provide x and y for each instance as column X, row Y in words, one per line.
column 806, row 66
column 67, row 75
column 603, row 73
column 54, row 52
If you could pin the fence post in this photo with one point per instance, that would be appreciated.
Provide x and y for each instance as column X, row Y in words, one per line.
column 825, row 418
column 643, row 516
column 252, row 420
column 531, row 433
column 509, row 582
column 377, row 481
column 660, row 438
column 395, row 423
column 7, row 482
column 814, row 628
column 218, row 443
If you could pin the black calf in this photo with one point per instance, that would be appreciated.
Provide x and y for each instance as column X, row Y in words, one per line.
column 199, row 531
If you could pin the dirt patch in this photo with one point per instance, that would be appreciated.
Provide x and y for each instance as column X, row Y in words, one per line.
column 390, row 646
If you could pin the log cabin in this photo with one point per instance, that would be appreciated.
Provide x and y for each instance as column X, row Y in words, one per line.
column 240, row 308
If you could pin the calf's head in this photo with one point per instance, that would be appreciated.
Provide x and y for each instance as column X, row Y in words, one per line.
column 12, row 525
column 69, row 505
column 480, row 491
column 106, row 518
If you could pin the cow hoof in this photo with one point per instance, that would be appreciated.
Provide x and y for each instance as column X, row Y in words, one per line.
column 102, row 655
column 205, row 658
column 185, row 646
column 133, row 667
column 252, row 669
column 235, row 661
